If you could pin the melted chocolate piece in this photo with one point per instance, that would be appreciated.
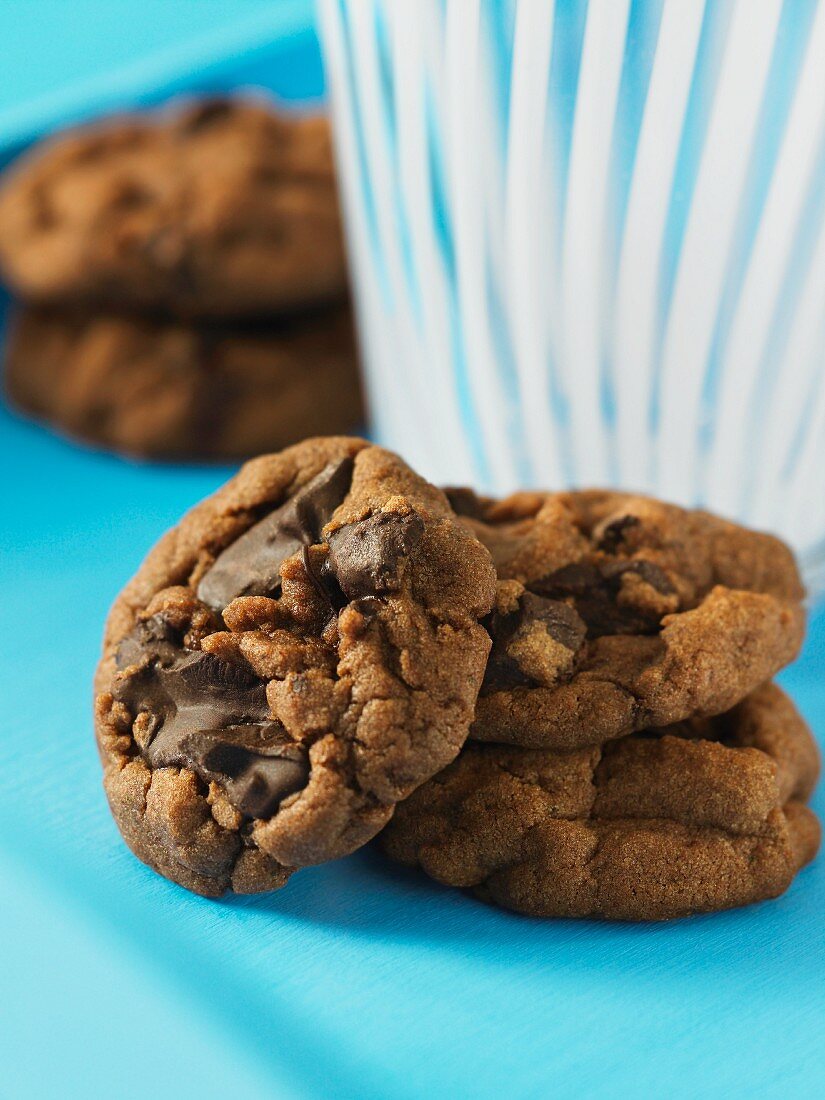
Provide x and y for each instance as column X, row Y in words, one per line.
column 559, row 620
column 366, row 557
column 250, row 566
column 256, row 772
column 211, row 716
column 324, row 583
column 153, row 637
column 593, row 589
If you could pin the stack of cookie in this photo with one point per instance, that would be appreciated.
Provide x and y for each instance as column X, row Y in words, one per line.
column 628, row 757
column 183, row 282
column 561, row 701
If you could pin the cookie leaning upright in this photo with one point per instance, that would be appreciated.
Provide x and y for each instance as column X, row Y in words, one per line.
column 222, row 209
column 298, row 654
column 616, row 613
column 706, row 815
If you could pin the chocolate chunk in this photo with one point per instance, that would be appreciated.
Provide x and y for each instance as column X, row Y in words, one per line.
column 250, row 566
column 561, row 622
column 324, row 583
column 465, row 502
column 649, row 572
column 366, row 557
column 612, row 535
column 213, row 717
column 256, row 773
column 154, row 638
column 579, row 580
column 593, row 589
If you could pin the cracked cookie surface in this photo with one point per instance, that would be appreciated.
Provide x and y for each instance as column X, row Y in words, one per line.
column 615, row 613
column 184, row 390
column 297, row 655
column 222, row 208
column 705, row 815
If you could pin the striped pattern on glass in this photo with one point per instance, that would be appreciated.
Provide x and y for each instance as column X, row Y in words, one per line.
column 588, row 240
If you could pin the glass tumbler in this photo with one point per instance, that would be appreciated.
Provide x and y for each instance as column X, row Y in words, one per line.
column 588, row 244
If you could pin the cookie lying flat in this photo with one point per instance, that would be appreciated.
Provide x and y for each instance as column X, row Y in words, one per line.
column 178, row 390
column 299, row 653
column 220, row 209
column 616, row 613
column 704, row 816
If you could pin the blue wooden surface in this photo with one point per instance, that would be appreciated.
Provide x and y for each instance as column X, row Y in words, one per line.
column 359, row 979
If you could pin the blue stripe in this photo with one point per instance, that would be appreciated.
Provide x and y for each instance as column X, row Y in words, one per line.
column 780, row 86
column 806, row 237
column 562, row 89
column 805, row 426
column 498, row 19
column 801, row 255
column 644, row 23
column 505, row 358
column 364, row 180
column 640, row 48
column 443, row 234
column 712, row 40
column 389, row 119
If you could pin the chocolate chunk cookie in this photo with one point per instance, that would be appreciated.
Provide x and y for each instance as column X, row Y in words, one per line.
column 218, row 209
column 616, row 612
column 299, row 653
column 702, row 816
column 184, row 390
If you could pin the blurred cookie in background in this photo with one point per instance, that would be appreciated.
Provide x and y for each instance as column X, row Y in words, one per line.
column 219, row 208
column 183, row 282
column 182, row 390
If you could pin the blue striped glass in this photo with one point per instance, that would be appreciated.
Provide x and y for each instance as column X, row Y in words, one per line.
column 588, row 241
